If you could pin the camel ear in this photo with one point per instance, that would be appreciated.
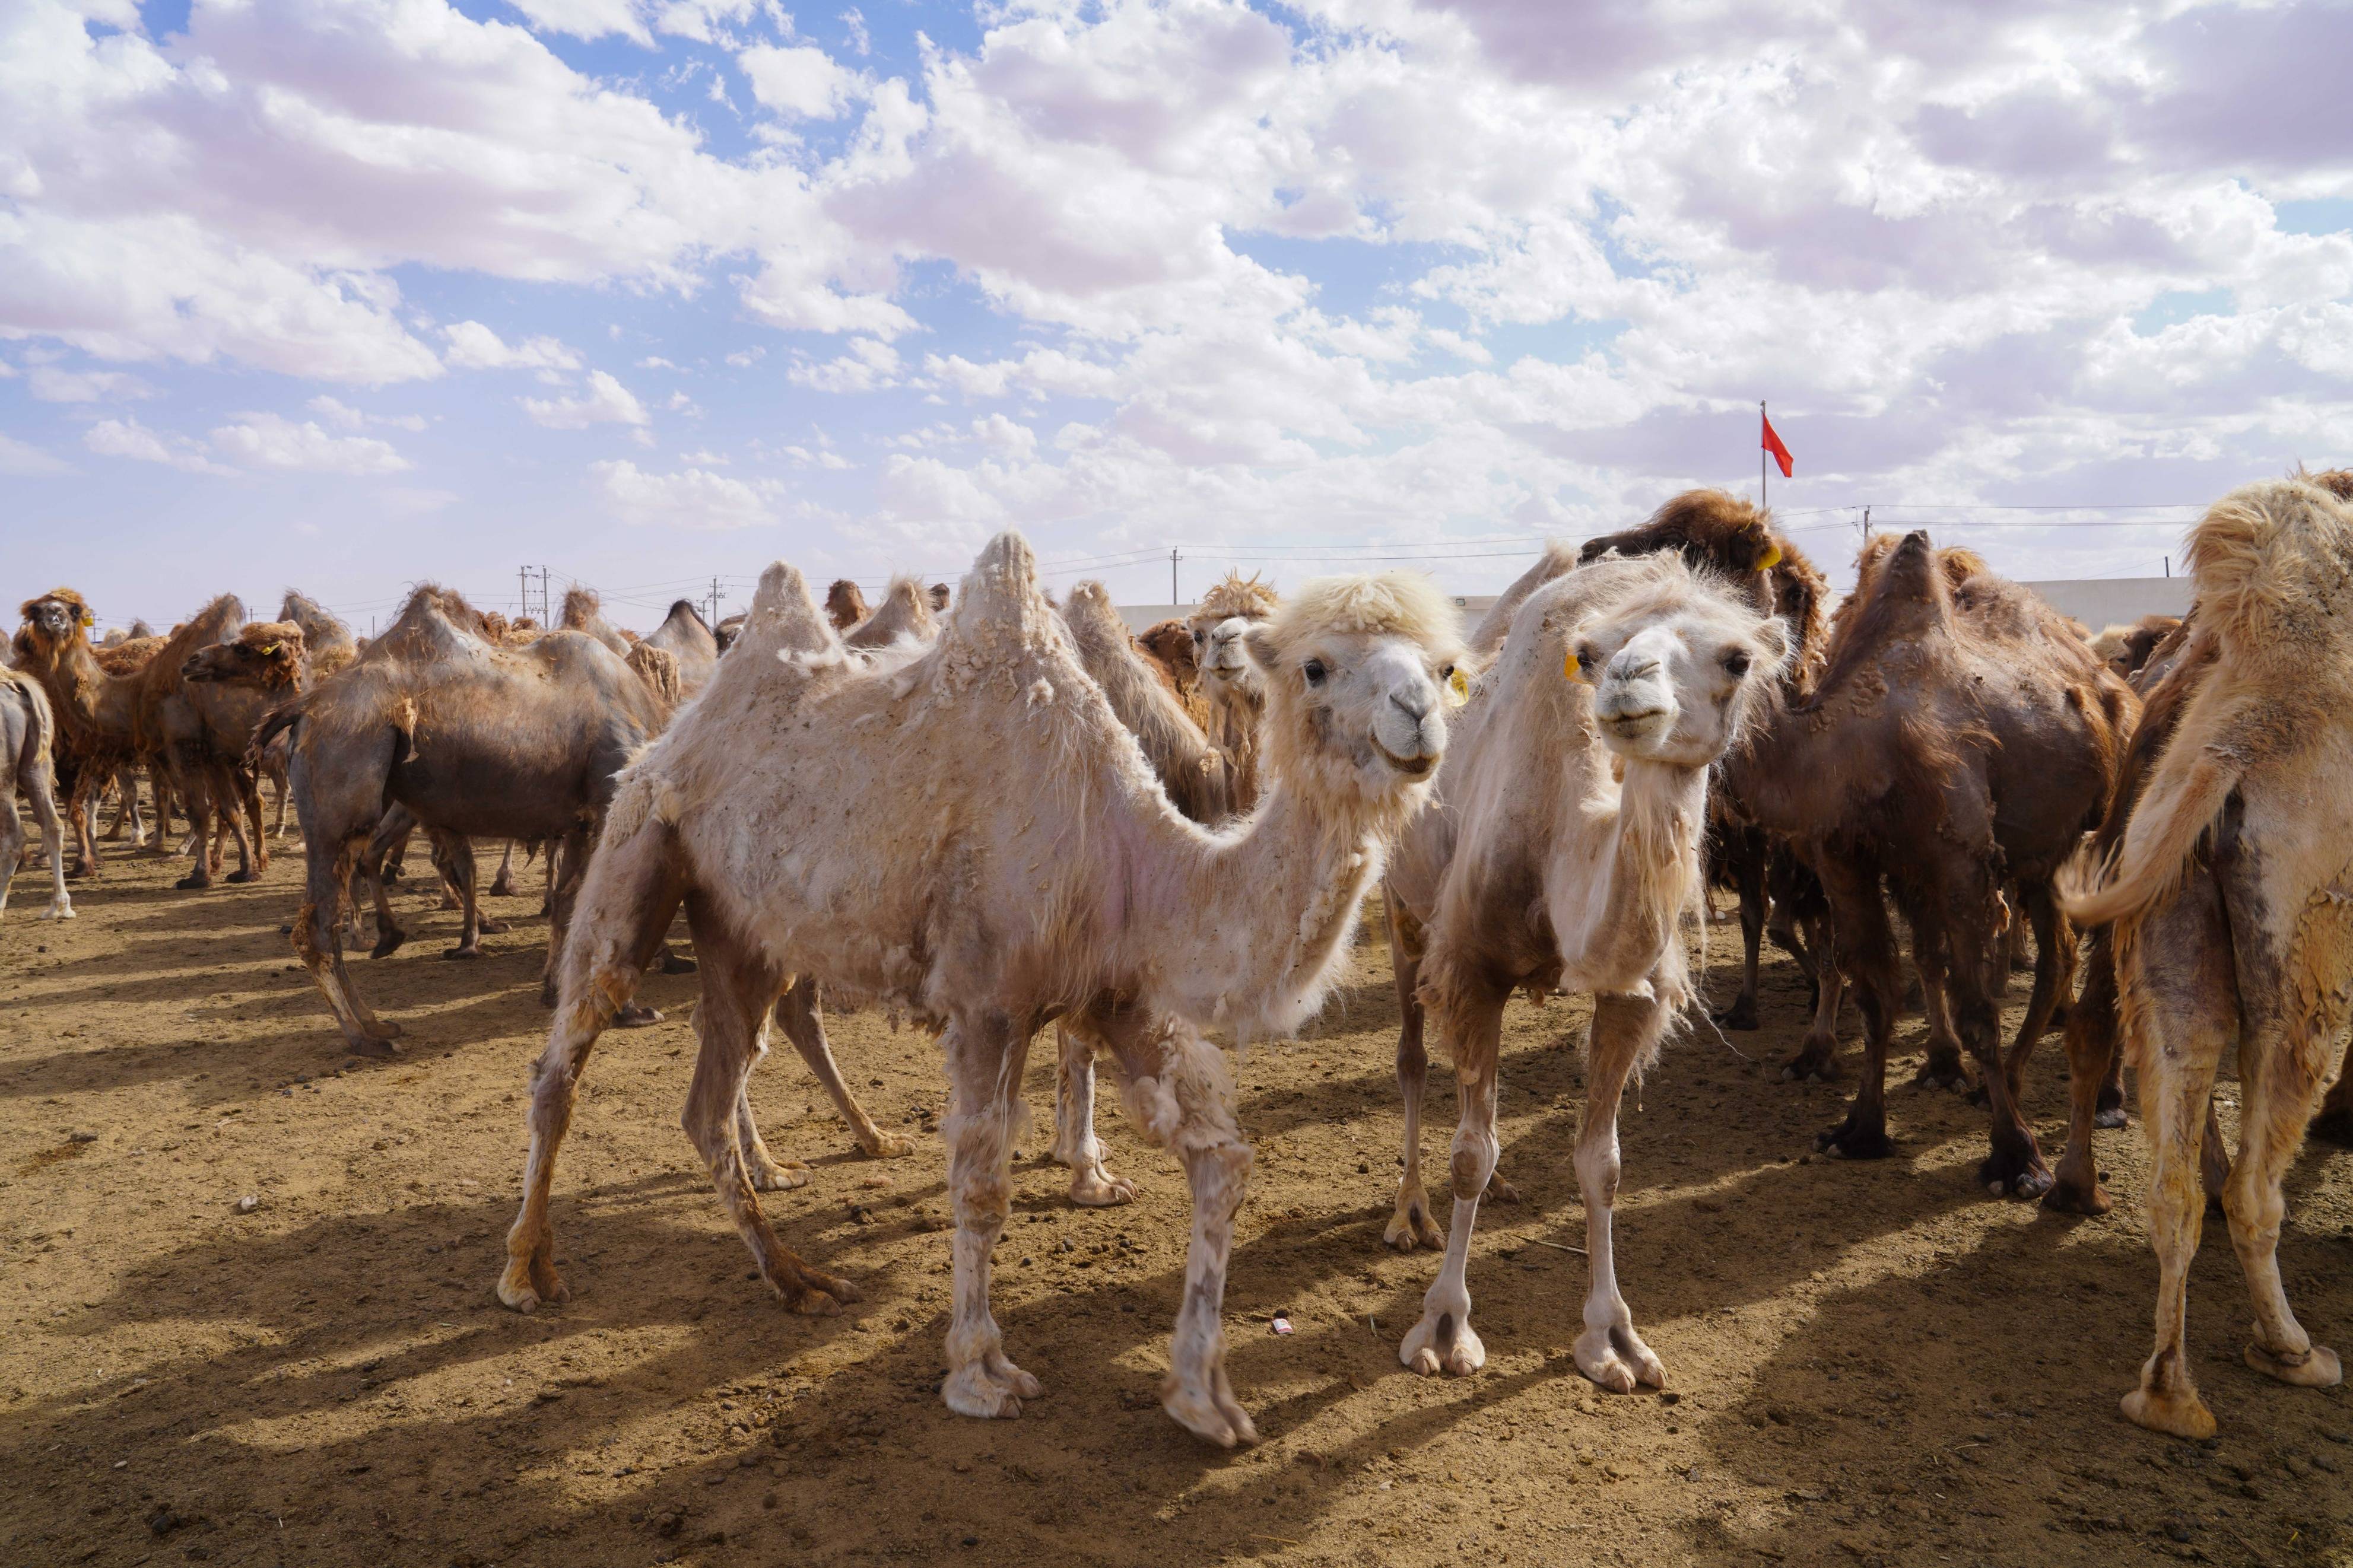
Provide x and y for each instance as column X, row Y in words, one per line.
column 1776, row 639
column 1264, row 650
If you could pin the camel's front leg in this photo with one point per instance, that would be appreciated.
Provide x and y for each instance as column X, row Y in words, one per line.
column 1075, row 1145
column 985, row 1052
column 2090, row 1039
column 1470, row 1018
column 1181, row 1097
column 1625, row 1030
column 1411, row 1225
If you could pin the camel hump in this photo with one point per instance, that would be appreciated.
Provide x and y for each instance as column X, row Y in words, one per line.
column 784, row 618
column 2272, row 562
column 1002, row 586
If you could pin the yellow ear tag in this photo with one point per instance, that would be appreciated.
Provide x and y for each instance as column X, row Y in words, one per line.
column 1568, row 666
column 270, row 649
column 87, row 619
column 1459, row 684
column 1772, row 558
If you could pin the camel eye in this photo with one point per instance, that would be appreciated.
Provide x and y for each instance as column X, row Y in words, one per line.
column 1737, row 662
column 1200, row 638
column 1313, row 671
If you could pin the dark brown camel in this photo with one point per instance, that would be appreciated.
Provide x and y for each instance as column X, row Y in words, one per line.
column 845, row 607
column 1961, row 740
column 475, row 738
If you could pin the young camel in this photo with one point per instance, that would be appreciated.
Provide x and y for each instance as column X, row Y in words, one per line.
column 27, row 732
column 819, row 812
column 477, row 740
column 1576, row 807
column 2229, row 900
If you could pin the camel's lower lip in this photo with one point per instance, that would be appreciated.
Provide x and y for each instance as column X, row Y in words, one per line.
column 1635, row 720
column 1412, row 768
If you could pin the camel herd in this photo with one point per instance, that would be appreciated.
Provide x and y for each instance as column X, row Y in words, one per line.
column 989, row 811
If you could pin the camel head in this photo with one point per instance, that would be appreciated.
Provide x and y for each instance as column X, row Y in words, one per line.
column 55, row 620
column 1223, row 618
column 1677, row 668
column 845, row 607
column 1171, row 642
column 1355, row 671
column 267, row 654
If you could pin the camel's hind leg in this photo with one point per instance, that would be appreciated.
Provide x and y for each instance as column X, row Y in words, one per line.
column 1181, row 1099
column 1942, row 1068
column 986, row 1051
column 320, row 945
column 634, row 892
column 1744, row 858
column 502, row 886
column 796, row 1013
column 1075, row 1144
column 2179, row 1000
column 38, row 780
column 2091, row 1057
column 1412, row 1225
column 1470, row 1019
column 12, row 837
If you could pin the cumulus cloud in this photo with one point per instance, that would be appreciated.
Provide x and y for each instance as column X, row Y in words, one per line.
column 800, row 80
column 51, row 384
column 605, row 402
column 473, row 346
column 129, row 438
column 691, row 498
column 272, row 441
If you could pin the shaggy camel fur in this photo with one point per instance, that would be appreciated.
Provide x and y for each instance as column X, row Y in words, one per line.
column 1961, row 740
column 2125, row 648
column 94, row 709
column 845, row 607
column 327, row 644
column 585, row 612
column 685, row 638
column 1234, row 687
column 1193, row 772
column 204, row 730
column 128, row 656
column 1564, row 858
column 2230, row 898
column 27, row 732
column 477, row 740
column 815, row 810
column 903, row 615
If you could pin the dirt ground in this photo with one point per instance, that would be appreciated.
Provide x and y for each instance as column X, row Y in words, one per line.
column 1868, row 1363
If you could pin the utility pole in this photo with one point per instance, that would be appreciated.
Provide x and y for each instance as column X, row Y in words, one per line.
column 522, row 592
column 1172, row 559
column 714, row 602
column 1863, row 527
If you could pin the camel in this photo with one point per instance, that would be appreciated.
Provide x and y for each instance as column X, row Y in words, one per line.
column 327, row 643
column 684, row 635
column 1234, row 687
column 903, row 615
column 822, row 811
column 1959, row 740
column 204, row 729
column 26, row 730
column 845, row 607
column 2229, row 898
column 2125, row 648
column 477, row 740
column 585, row 612
column 1563, row 858
column 726, row 631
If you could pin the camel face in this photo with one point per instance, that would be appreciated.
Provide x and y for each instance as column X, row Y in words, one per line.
column 1372, row 700
column 1223, row 662
column 1675, row 690
column 52, row 619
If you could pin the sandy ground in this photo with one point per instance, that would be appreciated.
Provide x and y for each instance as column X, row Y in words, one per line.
column 1869, row 1363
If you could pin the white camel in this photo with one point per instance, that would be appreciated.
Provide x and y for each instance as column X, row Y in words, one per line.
column 1543, row 870
column 967, row 833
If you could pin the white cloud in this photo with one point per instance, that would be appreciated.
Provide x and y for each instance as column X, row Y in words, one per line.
column 473, row 346
column 800, row 81
column 870, row 365
column 272, row 441
column 20, row 460
column 342, row 416
column 129, row 438
column 607, row 402
column 691, row 498
column 50, row 384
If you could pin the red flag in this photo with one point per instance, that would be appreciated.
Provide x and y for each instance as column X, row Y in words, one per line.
column 1772, row 443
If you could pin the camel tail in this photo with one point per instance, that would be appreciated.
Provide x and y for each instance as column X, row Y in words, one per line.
column 2146, row 869
column 277, row 718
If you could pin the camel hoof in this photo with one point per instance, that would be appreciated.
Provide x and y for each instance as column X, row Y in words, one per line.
column 2068, row 1197
column 57, row 912
column 992, row 1395
column 2007, row 1174
column 1411, row 1227
column 1209, row 1417
column 671, row 963
column 517, row 1292
column 192, row 882
column 780, row 1176
column 888, row 1146
column 2316, row 1368
column 1617, row 1359
column 494, row 928
column 387, row 944
column 1443, row 1343
column 1100, row 1190
column 2180, row 1415
column 1807, row 1067
column 1501, row 1191
column 2111, row 1119
column 1741, row 1015
column 462, row 952
column 1848, row 1141
column 632, row 1017
column 378, row 1047
column 242, row 876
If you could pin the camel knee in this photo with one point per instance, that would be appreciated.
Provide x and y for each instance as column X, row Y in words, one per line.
column 1472, row 1161
column 1597, row 1170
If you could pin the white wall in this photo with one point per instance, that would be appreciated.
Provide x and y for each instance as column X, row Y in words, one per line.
column 2107, row 601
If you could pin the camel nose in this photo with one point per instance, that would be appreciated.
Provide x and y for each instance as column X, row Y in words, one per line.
column 1415, row 702
column 1633, row 664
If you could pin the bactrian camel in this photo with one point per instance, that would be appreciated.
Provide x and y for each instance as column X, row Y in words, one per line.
column 1567, row 855
column 2229, row 902
column 1233, row 686
column 970, row 835
column 27, row 732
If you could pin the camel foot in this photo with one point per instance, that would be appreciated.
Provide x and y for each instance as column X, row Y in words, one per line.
column 991, row 1388
column 2182, row 1415
column 632, row 1017
column 1443, row 1343
column 2316, row 1368
column 1856, row 1140
column 1944, row 1073
column 242, row 876
column 2337, row 1126
column 1411, row 1226
column 495, row 928
column 2087, row 1198
column 80, row 871
column 194, row 882
column 463, row 952
column 503, row 890
column 1741, row 1015
column 1617, row 1359
column 2116, row 1116
column 379, row 1047
column 886, row 1145
column 525, row 1288
column 774, row 1176
column 1093, row 1187
column 387, row 943
column 1211, row 1413
column 671, row 963
column 1500, row 1191
column 60, row 910
column 1810, row 1064
column 2014, row 1173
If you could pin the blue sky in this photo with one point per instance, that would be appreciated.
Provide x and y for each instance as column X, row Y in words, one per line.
column 344, row 294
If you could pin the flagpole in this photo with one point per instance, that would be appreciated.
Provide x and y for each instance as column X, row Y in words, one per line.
column 1761, row 417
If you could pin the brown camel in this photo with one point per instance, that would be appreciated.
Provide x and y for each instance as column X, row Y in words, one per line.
column 1233, row 688
column 475, row 738
column 327, row 643
column 903, row 615
column 2127, row 647
column 845, row 607
column 585, row 612
column 204, row 730
column 26, row 730
column 2229, row 894
column 1960, row 739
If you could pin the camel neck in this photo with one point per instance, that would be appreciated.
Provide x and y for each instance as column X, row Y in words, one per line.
column 1617, row 931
